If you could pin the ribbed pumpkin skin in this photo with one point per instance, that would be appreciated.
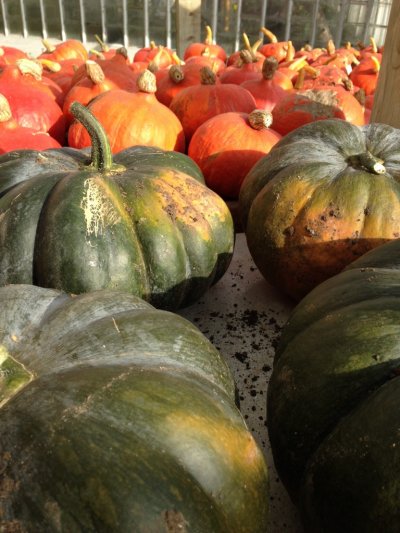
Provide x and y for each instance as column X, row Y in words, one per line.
column 124, row 421
column 310, row 208
column 130, row 119
column 226, row 147
column 146, row 228
column 194, row 105
column 333, row 398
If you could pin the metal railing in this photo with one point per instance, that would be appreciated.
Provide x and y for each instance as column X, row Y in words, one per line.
column 138, row 22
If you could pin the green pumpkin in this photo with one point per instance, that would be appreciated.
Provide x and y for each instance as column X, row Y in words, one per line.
column 326, row 194
column 142, row 222
column 116, row 416
column 333, row 399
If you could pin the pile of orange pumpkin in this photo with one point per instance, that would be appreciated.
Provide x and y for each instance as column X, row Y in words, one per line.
column 202, row 104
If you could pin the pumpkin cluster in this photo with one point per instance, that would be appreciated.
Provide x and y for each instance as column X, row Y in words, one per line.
column 115, row 178
column 156, row 98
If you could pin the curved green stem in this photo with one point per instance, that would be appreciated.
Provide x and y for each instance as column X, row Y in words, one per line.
column 101, row 150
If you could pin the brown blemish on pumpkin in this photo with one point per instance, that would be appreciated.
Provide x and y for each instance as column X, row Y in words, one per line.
column 289, row 231
column 316, row 102
column 174, row 521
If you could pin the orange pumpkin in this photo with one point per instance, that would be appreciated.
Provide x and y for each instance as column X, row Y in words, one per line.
column 227, row 146
column 271, row 87
column 197, row 49
column 131, row 119
column 249, row 69
column 69, row 49
column 33, row 103
column 194, row 105
column 178, row 78
column 96, row 82
column 365, row 75
column 321, row 102
column 13, row 136
column 275, row 48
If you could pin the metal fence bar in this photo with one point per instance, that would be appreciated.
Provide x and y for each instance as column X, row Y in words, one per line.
column 5, row 18
column 146, row 22
column 83, row 21
column 23, row 19
column 237, row 25
column 370, row 7
column 125, row 37
column 288, row 24
column 314, row 23
column 168, row 24
column 263, row 16
column 43, row 20
column 214, row 19
column 62, row 20
column 344, row 8
column 104, row 35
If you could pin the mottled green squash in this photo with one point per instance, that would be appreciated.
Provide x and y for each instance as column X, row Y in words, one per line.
column 333, row 399
column 142, row 222
column 326, row 193
column 116, row 416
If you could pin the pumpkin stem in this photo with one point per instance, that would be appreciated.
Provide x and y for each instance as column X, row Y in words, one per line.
column 368, row 162
column 331, row 48
column 176, row 74
column 104, row 47
column 28, row 66
column 94, row 72
column 260, row 119
column 50, row 65
column 269, row 67
column 96, row 53
column 146, row 82
column 48, row 46
column 376, row 64
column 5, row 109
column 290, row 52
column 209, row 36
column 271, row 36
column 207, row 76
column 300, row 79
column 374, row 47
column 246, row 58
column 101, row 150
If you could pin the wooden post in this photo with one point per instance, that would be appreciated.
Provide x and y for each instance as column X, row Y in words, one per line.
column 386, row 107
column 188, row 22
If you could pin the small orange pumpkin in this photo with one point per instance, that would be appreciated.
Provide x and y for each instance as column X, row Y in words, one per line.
column 227, row 146
column 194, row 105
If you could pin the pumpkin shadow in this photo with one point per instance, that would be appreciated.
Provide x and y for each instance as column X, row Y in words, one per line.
column 190, row 290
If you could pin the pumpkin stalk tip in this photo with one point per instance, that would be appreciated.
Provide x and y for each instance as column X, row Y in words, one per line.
column 368, row 162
